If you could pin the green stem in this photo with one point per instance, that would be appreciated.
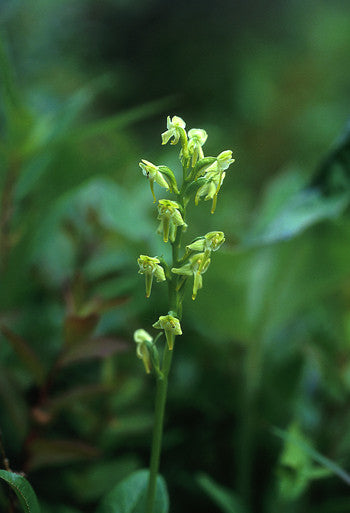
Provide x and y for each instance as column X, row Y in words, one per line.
column 175, row 300
column 161, row 394
column 162, row 382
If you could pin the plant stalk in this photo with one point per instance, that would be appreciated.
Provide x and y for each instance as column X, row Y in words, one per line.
column 162, row 383
column 161, row 394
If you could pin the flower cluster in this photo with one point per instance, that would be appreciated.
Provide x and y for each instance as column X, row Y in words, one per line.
column 203, row 177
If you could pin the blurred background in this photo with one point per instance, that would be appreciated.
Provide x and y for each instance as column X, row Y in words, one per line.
column 258, row 416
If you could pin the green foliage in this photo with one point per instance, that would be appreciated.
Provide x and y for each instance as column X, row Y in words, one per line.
column 267, row 340
column 25, row 493
column 225, row 499
column 296, row 464
column 296, row 467
column 289, row 208
column 129, row 496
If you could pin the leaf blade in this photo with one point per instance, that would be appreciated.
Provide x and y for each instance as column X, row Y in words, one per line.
column 315, row 455
column 225, row 499
column 23, row 490
column 129, row 496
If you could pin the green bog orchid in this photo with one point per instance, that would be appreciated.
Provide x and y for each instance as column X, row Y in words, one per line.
column 214, row 175
column 171, row 327
column 202, row 177
column 197, row 138
column 170, row 218
column 175, row 130
column 196, row 266
column 149, row 266
column 141, row 337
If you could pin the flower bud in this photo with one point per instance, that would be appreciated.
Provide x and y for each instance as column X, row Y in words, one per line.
column 141, row 337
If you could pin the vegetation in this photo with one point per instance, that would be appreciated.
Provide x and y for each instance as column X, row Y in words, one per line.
column 256, row 416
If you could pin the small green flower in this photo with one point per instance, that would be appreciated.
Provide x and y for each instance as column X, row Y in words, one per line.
column 141, row 337
column 212, row 241
column 197, row 138
column 197, row 265
column 214, row 175
column 176, row 128
column 154, row 174
column 149, row 266
column 170, row 218
column 224, row 160
column 210, row 188
column 171, row 326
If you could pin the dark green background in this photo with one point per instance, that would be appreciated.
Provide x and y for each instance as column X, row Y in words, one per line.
column 85, row 90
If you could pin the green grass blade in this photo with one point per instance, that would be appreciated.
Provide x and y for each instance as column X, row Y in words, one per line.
column 315, row 455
